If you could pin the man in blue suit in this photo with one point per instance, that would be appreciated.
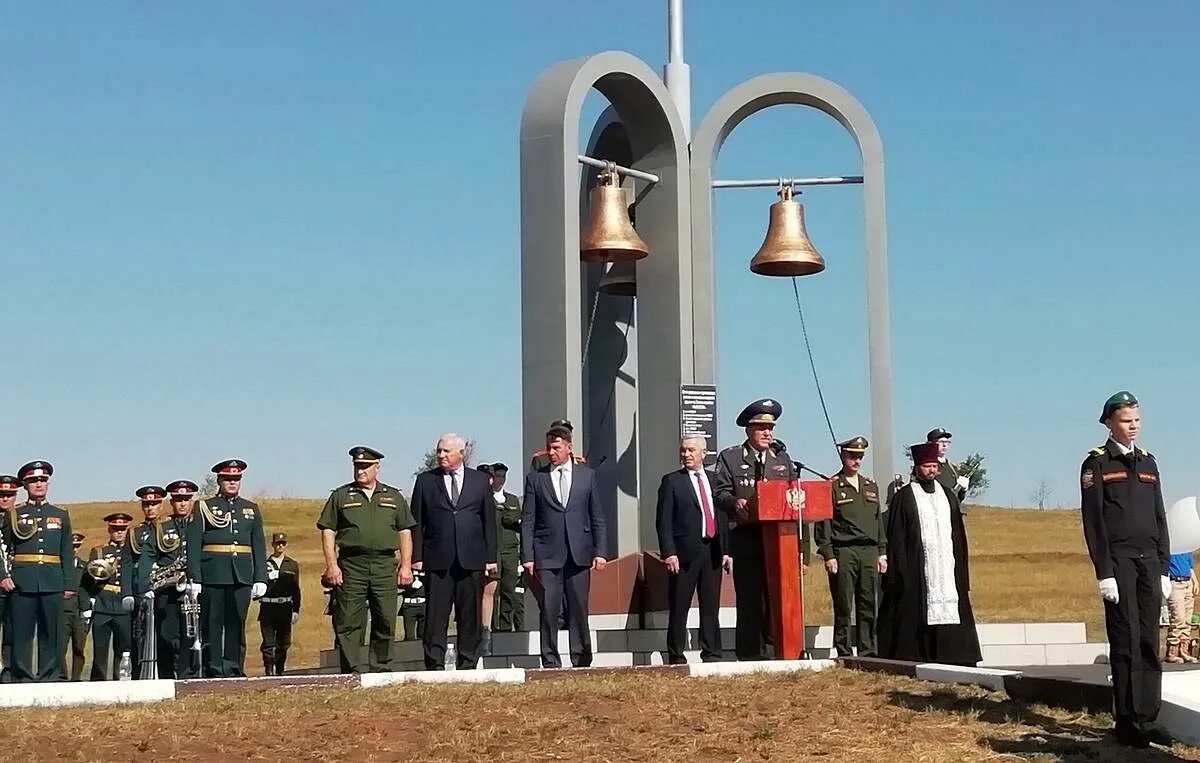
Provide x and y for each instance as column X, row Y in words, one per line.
column 456, row 521
column 563, row 539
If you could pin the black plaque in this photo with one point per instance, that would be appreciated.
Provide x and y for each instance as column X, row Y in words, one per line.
column 698, row 416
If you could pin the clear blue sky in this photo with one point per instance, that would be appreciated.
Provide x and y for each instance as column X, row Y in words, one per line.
column 251, row 230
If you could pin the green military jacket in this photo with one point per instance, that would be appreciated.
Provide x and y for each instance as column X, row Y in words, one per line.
column 362, row 524
column 508, row 526
column 38, row 536
column 856, row 517
column 737, row 471
column 225, row 543
column 81, row 601
column 948, row 477
column 107, row 594
column 154, row 545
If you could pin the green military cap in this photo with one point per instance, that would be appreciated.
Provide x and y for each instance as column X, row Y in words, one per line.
column 938, row 433
column 562, row 424
column 765, row 411
column 182, row 489
column 854, row 445
column 77, row 539
column 151, row 493
column 278, row 538
column 35, row 470
column 9, row 484
column 361, row 454
column 118, row 520
column 485, row 468
column 499, row 467
column 1119, row 400
column 231, row 469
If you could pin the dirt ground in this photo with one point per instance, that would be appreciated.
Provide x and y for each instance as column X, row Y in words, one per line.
column 835, row 715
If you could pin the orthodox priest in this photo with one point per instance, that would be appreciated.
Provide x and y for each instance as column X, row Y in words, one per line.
column 926, row 612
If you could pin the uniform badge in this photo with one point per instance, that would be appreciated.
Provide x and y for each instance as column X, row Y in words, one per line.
column 744, row 467
column 248, row 513
column 53, row 523
column 779, row 468
column 1087, row 479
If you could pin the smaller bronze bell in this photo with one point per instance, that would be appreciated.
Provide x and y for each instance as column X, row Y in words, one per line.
column 608, row 235
column 619, row 280
column 787, row 250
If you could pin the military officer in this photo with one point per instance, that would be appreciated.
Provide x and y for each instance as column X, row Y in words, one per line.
column 947, row 475
column 107, row 584
column 226, row 567
column 1125, row 526
column 509, row 613
column 279, row 608
column 139, row 550
column 77, row 616
column 854, row 547
column 158, row 547
column 187, row 662
column 366, row 538
column 8, row 499
column 737, row 470
column 43, row 563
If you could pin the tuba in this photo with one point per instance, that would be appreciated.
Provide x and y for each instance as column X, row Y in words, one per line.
column 102, row 568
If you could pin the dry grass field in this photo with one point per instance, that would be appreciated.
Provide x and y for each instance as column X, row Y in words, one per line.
column 1025, row 566
column 835, row 715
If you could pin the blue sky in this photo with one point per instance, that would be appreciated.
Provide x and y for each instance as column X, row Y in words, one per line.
column 276, row 231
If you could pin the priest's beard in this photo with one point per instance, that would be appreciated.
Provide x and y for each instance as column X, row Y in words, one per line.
column 926, row 484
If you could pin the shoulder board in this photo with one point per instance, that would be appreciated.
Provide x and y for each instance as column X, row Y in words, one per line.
column 1096, row 451
column 1144, row 452
column 868, row 480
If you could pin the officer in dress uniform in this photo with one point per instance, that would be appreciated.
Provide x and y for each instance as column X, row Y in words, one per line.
column 138, row 557
column 8, row 499
column 77, row 615
column 227, row 566
column 854, row 546
column 43, row 562
column 279, row 608
column 954, row 483
column 509, row 614
column 107, row 584
column 1125, row 525
column 187, row 662
column 158, row 547
column 737, row 470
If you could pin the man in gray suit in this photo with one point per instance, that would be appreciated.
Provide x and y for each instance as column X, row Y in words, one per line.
column 563, row 539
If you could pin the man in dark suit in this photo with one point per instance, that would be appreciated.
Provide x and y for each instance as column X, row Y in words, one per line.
column 456, row 524
column 692, row 543
column 563, row 539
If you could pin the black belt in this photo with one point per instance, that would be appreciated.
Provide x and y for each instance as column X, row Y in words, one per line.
column 1181, row 578
column 348, row 552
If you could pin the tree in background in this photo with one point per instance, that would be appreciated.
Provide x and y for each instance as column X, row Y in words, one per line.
column 1040, row 494
column 209, row 488
column 429, row 460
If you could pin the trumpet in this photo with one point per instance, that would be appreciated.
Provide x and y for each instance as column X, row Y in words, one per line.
column 191, row 616
column 102, row 568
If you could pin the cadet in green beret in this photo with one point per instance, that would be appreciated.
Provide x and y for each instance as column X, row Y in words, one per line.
column 227, row 567
column 77, row 616
column 366, row 537
column 8, row 499
column 509, row 614
column 107, row 584
column 43, row 562
column 854, row 547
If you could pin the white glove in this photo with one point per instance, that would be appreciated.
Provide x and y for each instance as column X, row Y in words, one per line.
column 149, row 594
column 1108, row 590
column 127, row 603
column 1165, row 582
column 195, row 588
column 272, row 574
column 257, row 590
column 295, row 617
column 86, row 615
column 963, row 482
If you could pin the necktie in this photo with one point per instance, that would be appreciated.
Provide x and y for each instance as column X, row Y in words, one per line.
column 710, row 524
column 562, row 486
column 454, row 488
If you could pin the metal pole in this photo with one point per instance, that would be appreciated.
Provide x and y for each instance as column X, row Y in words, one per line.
column 776, row 182
column 676, row 74
column 648, row 177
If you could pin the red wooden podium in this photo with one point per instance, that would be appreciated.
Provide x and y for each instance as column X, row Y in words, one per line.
column 780, row 506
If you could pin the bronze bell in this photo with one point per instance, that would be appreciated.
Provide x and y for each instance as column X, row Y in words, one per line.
column 787, row 250
column 608, row 235
column 619, row 280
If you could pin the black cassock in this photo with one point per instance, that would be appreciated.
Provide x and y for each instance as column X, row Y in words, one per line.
column 903, row 632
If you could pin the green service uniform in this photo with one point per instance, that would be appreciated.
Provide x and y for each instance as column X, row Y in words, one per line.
column 227, row 555
column 159, row 546
column 75, row 626
column 112, row 626
column 5, row 626
column 365, row 532
column 43, row 562
column 856, row 539
column 947, row 476
column 509, row 611
column 275, row 610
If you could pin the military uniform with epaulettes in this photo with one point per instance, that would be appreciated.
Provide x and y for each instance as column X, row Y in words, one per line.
column 112, row 625
column 158, row 546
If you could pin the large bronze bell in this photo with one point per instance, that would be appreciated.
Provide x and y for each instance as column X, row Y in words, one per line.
column 619, row 280
column 787, row 250
column 608, row 235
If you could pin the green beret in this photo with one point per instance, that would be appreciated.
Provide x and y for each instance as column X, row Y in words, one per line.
column 1119, row 400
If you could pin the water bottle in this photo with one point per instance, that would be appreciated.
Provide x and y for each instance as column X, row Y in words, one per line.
column 125, row 671
column 451, row 658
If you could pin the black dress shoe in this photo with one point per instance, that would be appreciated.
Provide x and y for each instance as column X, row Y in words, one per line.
column 1131, row 737
column 1155, row 735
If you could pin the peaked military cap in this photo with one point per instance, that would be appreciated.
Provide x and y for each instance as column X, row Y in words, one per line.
column 9, row 483
column 937, row 434
column 35, row 469
column 361, row 454
column 765, row 411
column 485, row 468
column 182, row 489
column 499, row 467
column 1119, row 400
column 278, row 538
column 924, row 453
column 562, row 424
column 77, row 538
column 151, row 493
column 854, row 445
column 118, row 519
column 231, row 468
